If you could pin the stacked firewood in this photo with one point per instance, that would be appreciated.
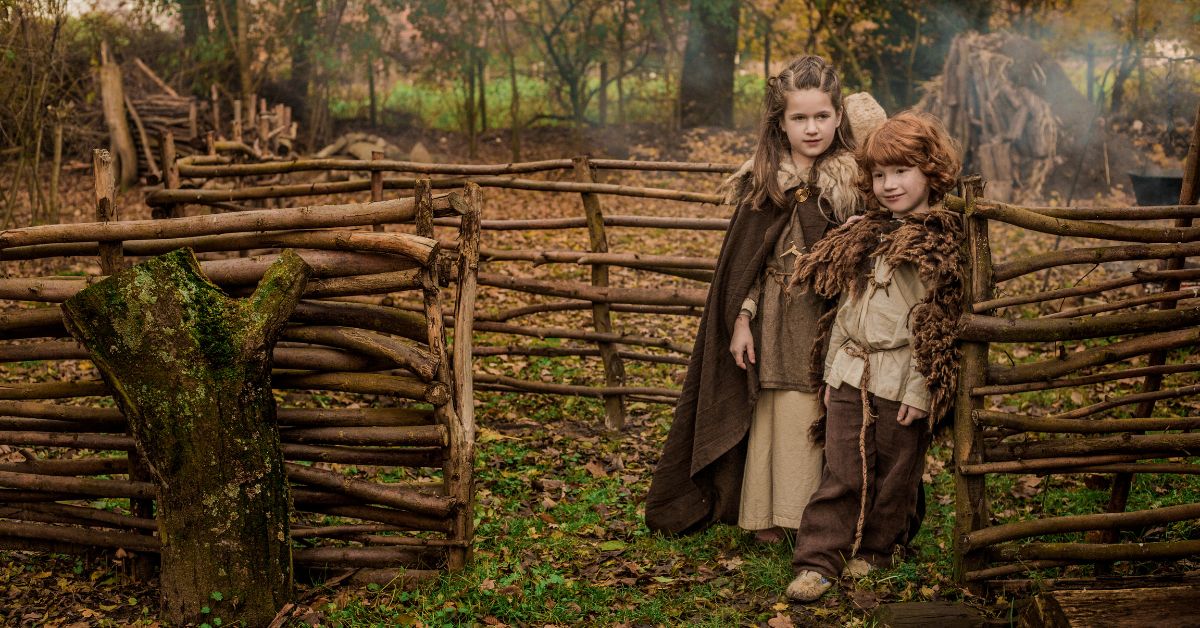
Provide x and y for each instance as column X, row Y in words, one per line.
column 991, row 104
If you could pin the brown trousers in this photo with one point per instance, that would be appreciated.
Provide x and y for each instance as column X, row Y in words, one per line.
column 895, row 464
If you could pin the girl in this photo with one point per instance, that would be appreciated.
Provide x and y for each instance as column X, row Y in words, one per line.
column 891, row 361
column 738, row 449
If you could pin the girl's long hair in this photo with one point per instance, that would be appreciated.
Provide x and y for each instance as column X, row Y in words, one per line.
column 807, row 72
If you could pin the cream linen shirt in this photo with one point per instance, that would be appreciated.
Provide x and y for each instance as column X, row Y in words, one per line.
column 878, row 321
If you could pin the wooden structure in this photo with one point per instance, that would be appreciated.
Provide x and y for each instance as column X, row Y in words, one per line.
column 397, row 399
column 1126, row 338
column 607, row 290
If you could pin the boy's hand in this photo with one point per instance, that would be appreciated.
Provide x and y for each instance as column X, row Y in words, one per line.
column 742, row 345
column 909, row 414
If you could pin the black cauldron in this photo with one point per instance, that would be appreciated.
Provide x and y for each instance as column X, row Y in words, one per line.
column 1150, row 189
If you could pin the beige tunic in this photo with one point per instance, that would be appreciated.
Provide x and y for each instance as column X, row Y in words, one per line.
column 878, row 322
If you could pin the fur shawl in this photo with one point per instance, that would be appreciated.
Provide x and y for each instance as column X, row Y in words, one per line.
column 837, row 177
column 930, row 241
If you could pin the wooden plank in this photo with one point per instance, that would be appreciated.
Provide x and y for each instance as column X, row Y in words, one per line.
column 926, row 614
column 1115, row 608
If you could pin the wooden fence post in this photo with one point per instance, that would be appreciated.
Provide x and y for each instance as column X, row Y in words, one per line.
column 377, row 183
column 170, row 176
column 216, row 109
column 614, row 370
column 970, row 502
column 111, row 262
column 461, row 483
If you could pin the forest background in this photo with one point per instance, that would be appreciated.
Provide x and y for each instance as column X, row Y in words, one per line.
column 475, row 67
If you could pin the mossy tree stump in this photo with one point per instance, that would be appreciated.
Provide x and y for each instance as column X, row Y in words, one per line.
column 190, row 368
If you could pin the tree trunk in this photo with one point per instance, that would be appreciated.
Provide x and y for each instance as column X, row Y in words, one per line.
column 194, row 16
column 112, row 100
column 190, row 369
column 706, row 85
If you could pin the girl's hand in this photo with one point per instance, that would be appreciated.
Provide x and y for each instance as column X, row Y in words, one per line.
column 909, row 414
column 742, row 345
column 853, row 219
column 826, row 394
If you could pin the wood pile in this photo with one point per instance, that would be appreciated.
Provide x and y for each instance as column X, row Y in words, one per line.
column 997, row 110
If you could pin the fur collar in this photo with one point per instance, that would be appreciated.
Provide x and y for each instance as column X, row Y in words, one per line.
column 836, row 178
column 930, row 241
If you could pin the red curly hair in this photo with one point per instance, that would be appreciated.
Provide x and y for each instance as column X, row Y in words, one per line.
column 911, row 138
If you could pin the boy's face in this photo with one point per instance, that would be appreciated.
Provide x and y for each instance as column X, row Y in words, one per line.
column 810, row 123
column 900, row 189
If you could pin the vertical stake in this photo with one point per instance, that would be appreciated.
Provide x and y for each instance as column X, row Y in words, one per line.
column 614, row 370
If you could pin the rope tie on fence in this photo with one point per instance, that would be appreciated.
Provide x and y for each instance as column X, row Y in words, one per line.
column 855, row 350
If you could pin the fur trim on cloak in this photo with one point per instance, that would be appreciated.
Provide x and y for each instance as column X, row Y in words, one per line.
column 837, row 177
column 930, row 241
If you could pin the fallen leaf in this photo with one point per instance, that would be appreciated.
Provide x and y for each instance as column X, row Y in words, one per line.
column 780, row 621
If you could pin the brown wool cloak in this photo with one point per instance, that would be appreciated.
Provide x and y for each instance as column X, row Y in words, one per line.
column 931, row 242
column 698, row 480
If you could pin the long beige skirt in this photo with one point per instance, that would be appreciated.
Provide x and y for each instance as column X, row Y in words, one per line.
column 783, row 465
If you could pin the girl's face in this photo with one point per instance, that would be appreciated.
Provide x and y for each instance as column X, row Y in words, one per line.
column 810, row 123
column 900, row 189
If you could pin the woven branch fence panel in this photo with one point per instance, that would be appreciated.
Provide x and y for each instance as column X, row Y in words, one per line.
column 375, row 406
column 1115, row 399
column 612, row 292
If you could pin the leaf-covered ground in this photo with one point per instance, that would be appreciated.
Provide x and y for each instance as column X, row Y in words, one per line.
column 560, row 539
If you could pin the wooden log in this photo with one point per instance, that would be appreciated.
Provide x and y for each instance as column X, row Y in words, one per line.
column 1093, row 255
column 112, row 101
column 31, row 323
column 370, row 317
column 1015, row 568
column 353, row 417
column 1154, row 297
column 572, row 290
column 350, row 455
column 326, row 216
column 394, row 436
column 573, row 351
column 1125, row 400
column 921, row 614
column 993, row 535
column 338, row 531
column 1177, row 444
column 402, row 519
column 79, row 536
column 60, row 412
column 1096, row 356
column 300, row 165
column 517, row 312
column 78, row 466
column 379, row 283
column 1136, row 277
column 78, row 486
column 1044, row 465
column 652, row 222
column 575, row 334
column 54, row 390
column 1022, row 217
column 1163, row 468
column 1137, row 213
column 976, row 327
column 366, row 383
column 627, row 260
column 1052, row 424
column 49, row 425
column 981, row 391
column 141, row 65
column 570, row 389
column 1161, row 550
column 160, row 197
column 433, row 505
column 418, row 249
column 95, row 516
column 373, row 344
